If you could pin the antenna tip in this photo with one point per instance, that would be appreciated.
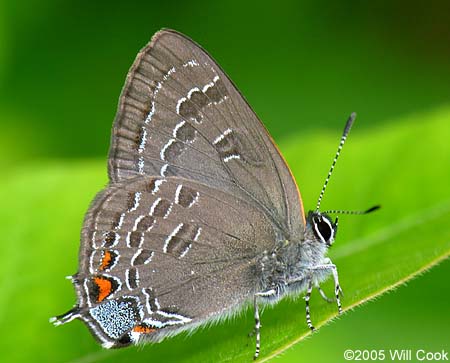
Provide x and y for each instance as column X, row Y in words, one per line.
column 349, row 123
column 372, row 209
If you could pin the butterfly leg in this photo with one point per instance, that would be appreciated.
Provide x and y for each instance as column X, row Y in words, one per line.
column 257, row 328
column 322, row 293
column 309, row 287
column 307, row 297
column 257, row 319
column 328, row 265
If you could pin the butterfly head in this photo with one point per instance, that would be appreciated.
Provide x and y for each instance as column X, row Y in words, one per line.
column 321, row 223
column 322, row 226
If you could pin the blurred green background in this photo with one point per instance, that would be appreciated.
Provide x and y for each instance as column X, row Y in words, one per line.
column 304, row 66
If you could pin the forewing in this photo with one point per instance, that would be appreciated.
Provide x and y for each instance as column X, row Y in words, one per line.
column 180, row 115
column 165, row 253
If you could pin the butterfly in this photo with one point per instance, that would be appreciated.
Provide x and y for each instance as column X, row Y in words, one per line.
column 201, row 215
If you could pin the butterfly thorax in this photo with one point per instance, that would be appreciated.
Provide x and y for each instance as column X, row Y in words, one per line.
column 290, row 264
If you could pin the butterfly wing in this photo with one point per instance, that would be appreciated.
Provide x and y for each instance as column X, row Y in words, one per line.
column 198, row 190
column 180, row 115
column 158, row 255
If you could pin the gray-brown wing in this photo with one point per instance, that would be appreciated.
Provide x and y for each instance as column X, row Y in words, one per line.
column 166, row 253
column 180, row 115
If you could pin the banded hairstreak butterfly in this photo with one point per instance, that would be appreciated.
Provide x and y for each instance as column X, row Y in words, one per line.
column 201, row 215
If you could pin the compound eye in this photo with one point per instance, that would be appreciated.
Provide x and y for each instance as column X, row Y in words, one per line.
column 324, row 229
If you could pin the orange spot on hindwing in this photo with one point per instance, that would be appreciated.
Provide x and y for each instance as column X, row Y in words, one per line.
column 102, row 287
column 108, row 260
column 144, row 329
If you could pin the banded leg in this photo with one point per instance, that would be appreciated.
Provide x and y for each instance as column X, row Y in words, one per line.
column 337, row 287
column 307, row 297
column 258, row 325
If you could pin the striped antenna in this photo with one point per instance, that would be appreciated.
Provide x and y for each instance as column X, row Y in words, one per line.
column 347, row 128
column 370, row 210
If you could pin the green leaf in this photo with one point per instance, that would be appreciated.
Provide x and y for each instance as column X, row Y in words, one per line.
column 403, row 166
